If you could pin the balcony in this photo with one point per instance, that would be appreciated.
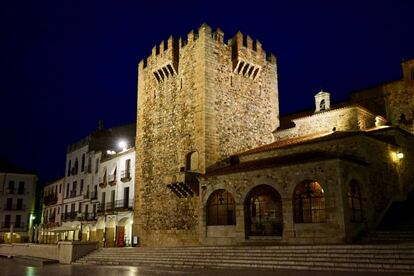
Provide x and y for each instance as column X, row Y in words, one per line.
column 112, row 179
column 117, row 205
column 69, row 216
column 125, row 175
column 72, row 194
column 102, row 182
column 16, row 226
column 93, row 195
column 87, row 194
column 51, row 219
column 186, row 185
column 89, row 216
column 50, row 199
column 88, row 169
column 20, row 191
column 14, row 207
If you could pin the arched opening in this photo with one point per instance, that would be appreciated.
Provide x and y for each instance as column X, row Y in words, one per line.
column 355, row 202
column 123, row 232
column 221, row 208
column 264, row 216
column 191, row 161
column 322, row 105
column 85, row 233
column 309, row 203
column 110, row 233
column 100, row 229
column 92, row 233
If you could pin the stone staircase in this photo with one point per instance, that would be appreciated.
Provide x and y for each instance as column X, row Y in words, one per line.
column 386, row 258
column 383, row 237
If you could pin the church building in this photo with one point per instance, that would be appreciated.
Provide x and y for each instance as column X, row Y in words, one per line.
column 216, row 165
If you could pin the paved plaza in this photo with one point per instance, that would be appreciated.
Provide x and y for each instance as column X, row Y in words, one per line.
column 10, row 267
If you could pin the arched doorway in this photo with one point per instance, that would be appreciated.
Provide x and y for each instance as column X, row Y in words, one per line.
column 110, row 233
column 85, row 233
column 100, row 231
column 123, row 230
column 264, row 216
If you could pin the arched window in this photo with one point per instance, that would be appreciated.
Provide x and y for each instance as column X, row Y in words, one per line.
column 264, row 216
column 221, row 209
column 309, row 203
column 322, row 105
column 355, row 202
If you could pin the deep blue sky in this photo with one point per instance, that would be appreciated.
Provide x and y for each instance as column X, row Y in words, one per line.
column 67, row 64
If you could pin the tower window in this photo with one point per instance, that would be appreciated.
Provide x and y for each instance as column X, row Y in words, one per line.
column 322, row 105
column 412, row 73
column 191, row 163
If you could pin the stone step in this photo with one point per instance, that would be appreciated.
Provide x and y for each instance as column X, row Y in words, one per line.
column 253, row 259
column 339, row 258
column 403, row 254
column 264, row 252
column 299, row 264
column 349, row 257
column 350, row 249
column 270, row 248
column 393, row 235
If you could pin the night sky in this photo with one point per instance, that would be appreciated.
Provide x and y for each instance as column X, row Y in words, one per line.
column 67, row 64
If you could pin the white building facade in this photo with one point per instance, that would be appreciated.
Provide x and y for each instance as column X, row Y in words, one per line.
column 97, row 191
column 116, row 198
column 17, row 203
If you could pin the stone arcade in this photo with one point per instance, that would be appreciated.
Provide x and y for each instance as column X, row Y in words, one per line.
column 215, row 165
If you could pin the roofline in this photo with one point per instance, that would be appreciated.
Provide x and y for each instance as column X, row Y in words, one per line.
column 325, row 156
column 351, row 105
column 328, row 138
column 54, row 181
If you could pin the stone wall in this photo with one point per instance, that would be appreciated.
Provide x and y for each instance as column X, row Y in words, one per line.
column 392, row 99
column 64, row 252
column 381, row 176
column 284, row 180
column 349, row 118
column 191, row 97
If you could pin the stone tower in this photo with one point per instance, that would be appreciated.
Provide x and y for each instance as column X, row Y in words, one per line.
column 199, row 101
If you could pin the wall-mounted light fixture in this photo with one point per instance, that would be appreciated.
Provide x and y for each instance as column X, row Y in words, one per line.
column 400, row 155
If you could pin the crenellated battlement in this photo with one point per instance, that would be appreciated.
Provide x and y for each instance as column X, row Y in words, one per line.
column 201, row 99
column 247, row 55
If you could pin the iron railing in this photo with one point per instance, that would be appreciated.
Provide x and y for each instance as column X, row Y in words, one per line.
column 94, row 195
column 14, row 207
column 117, row 205
column 125, row 175
column 70, row 216
column 50, row 199
column 16, row 226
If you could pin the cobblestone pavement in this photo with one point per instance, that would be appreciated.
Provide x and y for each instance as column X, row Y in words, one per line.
column 8, row 267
